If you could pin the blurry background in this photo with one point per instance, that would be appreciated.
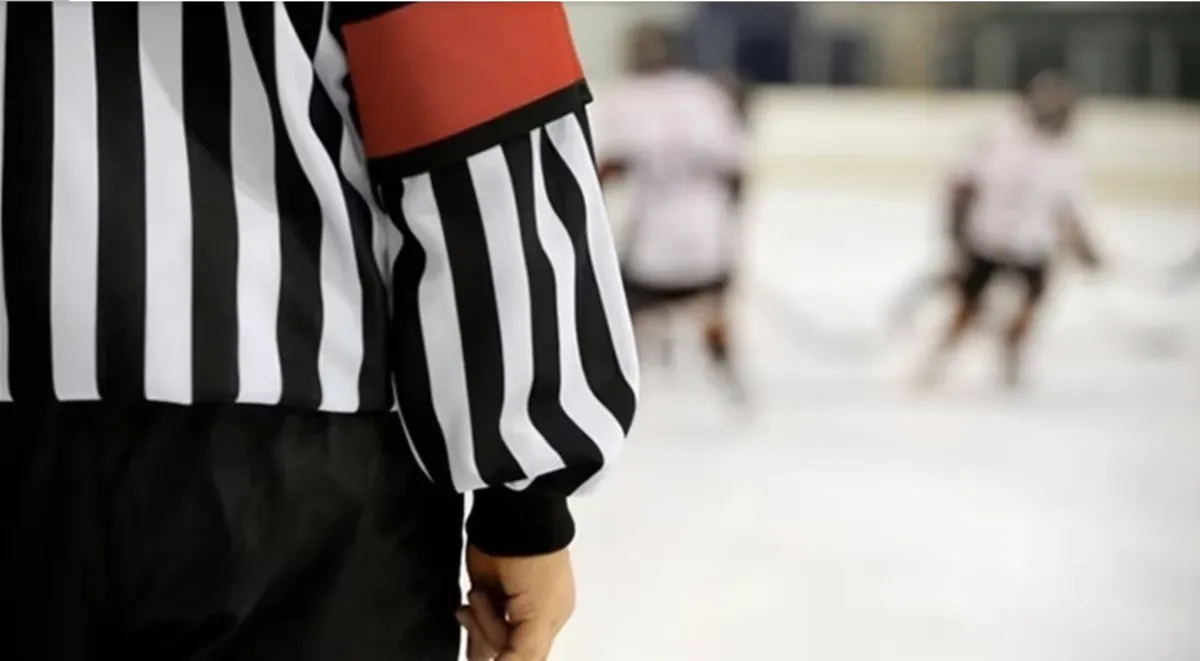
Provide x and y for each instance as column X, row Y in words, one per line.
column 933, row 69
column 847, row 517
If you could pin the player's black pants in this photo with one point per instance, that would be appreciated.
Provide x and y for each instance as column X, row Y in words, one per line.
column 162, row 533
column 642, row 297
column 978, row 272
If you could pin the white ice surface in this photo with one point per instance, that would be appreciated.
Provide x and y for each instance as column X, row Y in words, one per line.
column 850, row 518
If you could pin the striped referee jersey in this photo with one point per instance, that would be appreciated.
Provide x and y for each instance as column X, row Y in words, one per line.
column 347, row 207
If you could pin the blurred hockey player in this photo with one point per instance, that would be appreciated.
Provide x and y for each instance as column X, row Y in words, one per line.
column 1015, row 200
column 677, row 138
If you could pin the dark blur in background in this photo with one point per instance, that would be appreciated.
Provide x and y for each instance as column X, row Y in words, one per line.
column 1148, row 50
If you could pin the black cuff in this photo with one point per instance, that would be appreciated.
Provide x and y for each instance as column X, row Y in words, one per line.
column 510, row 523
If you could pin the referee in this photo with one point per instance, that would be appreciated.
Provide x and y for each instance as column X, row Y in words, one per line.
column 278, row 283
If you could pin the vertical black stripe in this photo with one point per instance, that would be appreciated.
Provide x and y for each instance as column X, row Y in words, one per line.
column 346, row 82
column 28, row 179
column 410, row 360
column 374, row 392
column 121, row 270
column 343, row 13
column 545, row 407
column 600, row 364
column 586, row 126
column 478, row 319
column 301, row 310
column 207, row 113
column 305, row 18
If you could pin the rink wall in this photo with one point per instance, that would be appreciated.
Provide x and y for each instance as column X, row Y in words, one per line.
column 1136, row 153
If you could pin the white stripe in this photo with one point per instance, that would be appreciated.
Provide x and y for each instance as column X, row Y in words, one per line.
column 384, row 234
column 569, row 141
column 566, row 134
column 259, row 264
column 5, row 393
column 441, row 334
column 412, row 447
column 577, row 398
column 74, row 222
column 168, row 207
column 329, row 63
column 381, row 224
column 501, row 227
column 355, row 169
column 390, row 242
column 341, row 352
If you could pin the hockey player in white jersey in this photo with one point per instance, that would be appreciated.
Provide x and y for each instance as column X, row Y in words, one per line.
column 677, row 138
column 1015, row 200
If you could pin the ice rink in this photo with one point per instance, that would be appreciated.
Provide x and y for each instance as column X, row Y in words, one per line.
column 849, row 517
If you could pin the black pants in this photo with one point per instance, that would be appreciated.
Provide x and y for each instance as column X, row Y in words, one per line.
column 164, row 533
column 643, row 297
column 979, row 271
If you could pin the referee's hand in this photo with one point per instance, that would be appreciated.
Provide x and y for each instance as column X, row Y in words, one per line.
column 517, row 606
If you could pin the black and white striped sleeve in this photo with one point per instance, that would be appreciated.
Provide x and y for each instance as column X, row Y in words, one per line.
column 515, row 324
column 514, row 359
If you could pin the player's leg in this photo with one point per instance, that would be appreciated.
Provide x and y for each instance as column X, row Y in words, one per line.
column 976, row 275
column 715, row 311
column 654, row 333
column 650, row 313
column 1016, row 335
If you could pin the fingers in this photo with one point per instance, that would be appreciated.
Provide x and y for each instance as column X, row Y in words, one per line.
column 530, row 641
column 478, row 648
column 532, row 631
column 487, row 631
column 520, row 604
column 490, row 617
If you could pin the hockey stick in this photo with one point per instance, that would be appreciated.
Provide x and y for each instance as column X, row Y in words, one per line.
column 807, row 331
column 1161, row 339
